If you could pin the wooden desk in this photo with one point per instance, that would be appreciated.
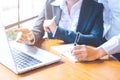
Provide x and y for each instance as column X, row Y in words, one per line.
column 67, row 70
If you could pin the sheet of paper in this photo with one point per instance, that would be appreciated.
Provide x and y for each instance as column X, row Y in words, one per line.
column 65, row 50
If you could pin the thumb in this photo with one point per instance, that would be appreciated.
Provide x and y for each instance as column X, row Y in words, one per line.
column 23, row 30
column 53, row 19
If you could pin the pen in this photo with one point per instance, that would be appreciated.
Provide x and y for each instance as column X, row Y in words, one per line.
column 109, row 55
column 53, row 18
column 46, row 34
column 77, row 38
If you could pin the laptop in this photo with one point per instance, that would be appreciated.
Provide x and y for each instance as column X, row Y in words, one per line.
column 65, row 50
column 21, row 58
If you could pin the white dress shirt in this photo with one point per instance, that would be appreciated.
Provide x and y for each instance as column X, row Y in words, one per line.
column 70, row 21
column 111, row 16
column 112, row 46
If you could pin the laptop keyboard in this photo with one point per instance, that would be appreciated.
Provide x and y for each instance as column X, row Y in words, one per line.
column 23, row 60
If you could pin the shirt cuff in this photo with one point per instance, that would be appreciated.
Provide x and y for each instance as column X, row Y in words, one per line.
column 110, row 46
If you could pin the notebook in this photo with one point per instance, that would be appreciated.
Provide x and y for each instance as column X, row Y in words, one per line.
column 21, row 58
column 65, row 49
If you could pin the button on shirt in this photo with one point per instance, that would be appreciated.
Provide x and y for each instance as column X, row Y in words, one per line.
column 70, row 21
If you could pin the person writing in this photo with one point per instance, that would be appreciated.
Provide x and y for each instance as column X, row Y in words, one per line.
column 112, row 46
column 72, row 16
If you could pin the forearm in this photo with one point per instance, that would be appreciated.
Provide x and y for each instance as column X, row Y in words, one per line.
column 112, row 46
column 69, row 37
column 90, row 39
column 65, row 35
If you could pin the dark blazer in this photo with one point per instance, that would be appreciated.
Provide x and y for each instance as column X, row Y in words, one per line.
column 90, row 23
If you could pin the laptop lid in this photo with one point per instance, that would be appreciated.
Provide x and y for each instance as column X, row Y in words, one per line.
column 5, row 54
column 6, row 57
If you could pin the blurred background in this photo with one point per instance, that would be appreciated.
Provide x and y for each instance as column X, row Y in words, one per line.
column 19, row 13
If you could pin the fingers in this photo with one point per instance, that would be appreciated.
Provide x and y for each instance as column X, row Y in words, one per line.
column 24, row 39
column 53, row 19
column 24, row 36
column 23, row 30
column 78, row 48
column 80, row 52
column 85, row 53
column 48, row 22
column 80, row 56
column 30, row 36
column 19, row 38
column 47, row 29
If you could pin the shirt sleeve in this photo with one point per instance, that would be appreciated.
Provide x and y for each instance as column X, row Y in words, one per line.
column 112, row 46
column 106, row 16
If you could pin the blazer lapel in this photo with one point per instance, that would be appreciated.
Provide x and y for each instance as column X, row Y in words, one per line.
column 84, row 16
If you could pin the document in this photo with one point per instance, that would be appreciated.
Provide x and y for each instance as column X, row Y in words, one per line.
column 65, row 49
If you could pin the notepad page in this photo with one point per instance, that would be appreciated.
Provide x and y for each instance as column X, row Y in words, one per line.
column 65, row 50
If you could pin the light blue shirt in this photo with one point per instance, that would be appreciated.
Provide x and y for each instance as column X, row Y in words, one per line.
column 111, row 16
column 112, row 46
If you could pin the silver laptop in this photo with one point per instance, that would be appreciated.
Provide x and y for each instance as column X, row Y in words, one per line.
column 21, row 58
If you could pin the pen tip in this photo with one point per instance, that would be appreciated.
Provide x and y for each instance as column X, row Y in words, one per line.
column 53, row 18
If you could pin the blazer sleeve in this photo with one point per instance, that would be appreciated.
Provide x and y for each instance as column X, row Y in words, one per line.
column 93, row 38
column 38, row 29
column 46, row 13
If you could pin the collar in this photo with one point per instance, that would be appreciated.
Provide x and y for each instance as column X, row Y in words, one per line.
column 77, row 4
column 57, row 2
column 62, row 2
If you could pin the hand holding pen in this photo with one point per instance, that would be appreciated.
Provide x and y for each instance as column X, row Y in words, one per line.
column 49, row 25
column 81, row 52
column 75, row 44
column 77, row 38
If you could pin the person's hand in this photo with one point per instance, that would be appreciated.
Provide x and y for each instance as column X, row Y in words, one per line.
column 24, row 36
column 87, row 53
column 49, row 25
